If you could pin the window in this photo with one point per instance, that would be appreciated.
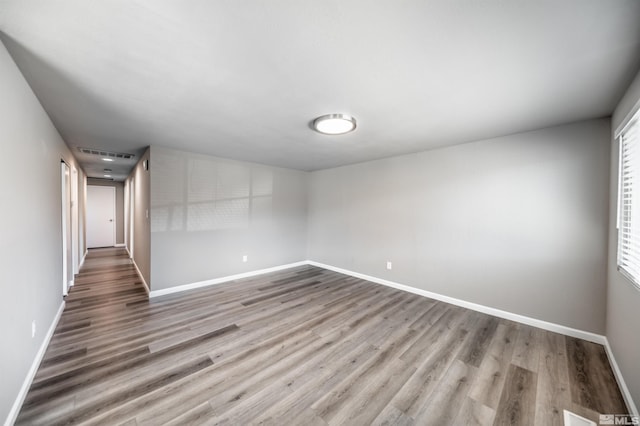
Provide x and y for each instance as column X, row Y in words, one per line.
column 629, row 200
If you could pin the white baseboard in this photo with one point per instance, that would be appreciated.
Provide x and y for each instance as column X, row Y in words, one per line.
column 84, row 257
column 17, row 404
column 144, row 283
column 557, row 328
column 120, row 245
column 185, row 287
column 592, row 337
column 621, row 383
column 545, row 325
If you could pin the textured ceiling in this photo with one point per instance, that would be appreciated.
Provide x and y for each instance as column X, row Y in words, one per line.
column 243, row 79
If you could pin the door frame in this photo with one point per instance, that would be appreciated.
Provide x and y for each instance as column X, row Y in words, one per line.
column 75, row 245
column 67, row 266
column 132, row 203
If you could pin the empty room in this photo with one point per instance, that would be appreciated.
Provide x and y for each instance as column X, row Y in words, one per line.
column 320, row 212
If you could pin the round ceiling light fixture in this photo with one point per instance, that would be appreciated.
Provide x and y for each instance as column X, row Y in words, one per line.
column 334, row 124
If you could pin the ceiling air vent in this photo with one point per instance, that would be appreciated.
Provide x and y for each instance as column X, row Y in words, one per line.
column 91, row 151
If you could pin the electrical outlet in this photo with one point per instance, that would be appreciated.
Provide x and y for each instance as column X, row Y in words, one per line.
column 245, row 258
column 33, row 329
column 389, row 265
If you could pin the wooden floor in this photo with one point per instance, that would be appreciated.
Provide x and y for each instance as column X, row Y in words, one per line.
column 305, row 346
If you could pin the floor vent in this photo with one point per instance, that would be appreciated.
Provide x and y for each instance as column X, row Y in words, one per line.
column 572, row 419
column 91, row 151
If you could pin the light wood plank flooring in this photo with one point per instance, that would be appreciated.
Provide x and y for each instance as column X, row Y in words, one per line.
column 305, row 346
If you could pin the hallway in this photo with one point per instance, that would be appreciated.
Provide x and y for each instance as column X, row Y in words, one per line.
column 88, row 337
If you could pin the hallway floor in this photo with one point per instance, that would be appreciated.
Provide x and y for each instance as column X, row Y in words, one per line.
column 302, row 346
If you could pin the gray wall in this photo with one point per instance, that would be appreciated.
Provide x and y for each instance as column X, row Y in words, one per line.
column 119, row 205
column 517, row 223
column 207, row 212
column 623, row 299
column 140, row 182
column 31, row 249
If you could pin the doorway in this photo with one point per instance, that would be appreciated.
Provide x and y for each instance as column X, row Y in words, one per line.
column 131, row 216
column 75, row 243
column 67, row 245
column 101, row 213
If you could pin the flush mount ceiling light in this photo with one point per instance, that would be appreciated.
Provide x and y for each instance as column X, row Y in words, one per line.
column 107, row 159
column 334, row 124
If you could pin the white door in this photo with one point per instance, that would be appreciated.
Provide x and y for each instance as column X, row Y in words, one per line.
column 101, row 215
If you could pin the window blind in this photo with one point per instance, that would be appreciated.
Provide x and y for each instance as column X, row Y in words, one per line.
column 629, row 201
